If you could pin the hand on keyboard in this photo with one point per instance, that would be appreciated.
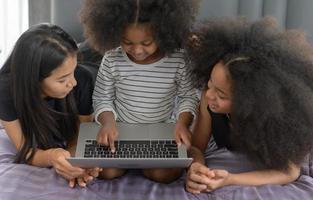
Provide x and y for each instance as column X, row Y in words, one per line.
column 182, row 134
column 107, row 135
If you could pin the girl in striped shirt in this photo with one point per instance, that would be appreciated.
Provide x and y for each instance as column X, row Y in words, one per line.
column 143, row 77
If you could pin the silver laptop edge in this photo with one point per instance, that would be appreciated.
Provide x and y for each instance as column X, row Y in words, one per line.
column 157, row 131
column 131, row 163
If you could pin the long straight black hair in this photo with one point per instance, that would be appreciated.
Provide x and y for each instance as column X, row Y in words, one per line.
column 39, row 51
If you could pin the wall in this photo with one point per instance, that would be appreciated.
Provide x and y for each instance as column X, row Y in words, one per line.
column 295, row 14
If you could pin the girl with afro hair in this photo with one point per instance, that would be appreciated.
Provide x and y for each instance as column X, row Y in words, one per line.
column 143, row 72
column 257, row 100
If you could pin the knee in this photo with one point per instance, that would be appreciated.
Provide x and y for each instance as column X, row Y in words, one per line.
column 163, row 175
column 111, row 173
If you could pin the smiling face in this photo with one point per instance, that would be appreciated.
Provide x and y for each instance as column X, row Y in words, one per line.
column 139, row 44
column 219, row 90
column 61, row 80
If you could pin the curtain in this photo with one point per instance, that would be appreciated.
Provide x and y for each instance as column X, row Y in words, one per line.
column 13, row 22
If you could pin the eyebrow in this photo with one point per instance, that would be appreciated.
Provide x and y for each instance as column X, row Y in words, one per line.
column 148, row 40
column 61, row 77
column 221, row 91
column 218, row 89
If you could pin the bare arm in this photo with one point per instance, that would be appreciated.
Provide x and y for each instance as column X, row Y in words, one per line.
column 106, row 117
column 55, row 157
column 202, row 130
column 86, row 118
column 41, row 158
column 185, row 118
column 196, row 154
column 198, row 173
column 222, row 178
column 262, row 177
column 14, row 131
column 201, row 133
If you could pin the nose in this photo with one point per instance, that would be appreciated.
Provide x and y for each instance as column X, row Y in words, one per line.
column 137, row 49
column 72, row 82
column 210, row 94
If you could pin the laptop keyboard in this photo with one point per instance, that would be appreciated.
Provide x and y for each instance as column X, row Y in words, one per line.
column 132, row 149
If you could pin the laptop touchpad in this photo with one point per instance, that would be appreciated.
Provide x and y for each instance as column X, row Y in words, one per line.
column 132, row 131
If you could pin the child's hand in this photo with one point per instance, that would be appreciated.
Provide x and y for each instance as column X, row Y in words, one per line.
column 57, row 158
column 182, row 134
column 219, row 180
column 198, row 178
column 88, row 176
column 107, row 135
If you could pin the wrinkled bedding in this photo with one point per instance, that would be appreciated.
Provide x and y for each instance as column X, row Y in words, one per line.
column 18, row 181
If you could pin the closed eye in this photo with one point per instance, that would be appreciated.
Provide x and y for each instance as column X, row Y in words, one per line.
column 147, row 43
column 127, row 43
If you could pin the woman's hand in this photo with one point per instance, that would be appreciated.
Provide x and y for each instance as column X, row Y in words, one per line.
column 218, row 180
column 88, row 176
column 198, row 178
column 57, row 159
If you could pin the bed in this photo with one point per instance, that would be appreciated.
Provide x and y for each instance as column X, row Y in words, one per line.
column 18, row 181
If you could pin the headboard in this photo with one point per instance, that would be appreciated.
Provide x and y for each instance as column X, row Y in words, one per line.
column 294, row 14
column 291, row 14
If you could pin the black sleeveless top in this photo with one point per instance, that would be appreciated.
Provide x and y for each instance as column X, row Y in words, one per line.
column 220, row 129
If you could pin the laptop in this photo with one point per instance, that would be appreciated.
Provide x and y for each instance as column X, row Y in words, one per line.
column 137, row 146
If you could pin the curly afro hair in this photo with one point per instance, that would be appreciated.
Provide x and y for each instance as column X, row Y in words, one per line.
column 272, row 77
column 105, row 20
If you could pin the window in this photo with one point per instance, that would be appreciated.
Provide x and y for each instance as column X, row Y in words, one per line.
column 13, row 22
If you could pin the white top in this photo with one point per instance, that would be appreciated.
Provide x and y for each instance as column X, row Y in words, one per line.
column 143, row 93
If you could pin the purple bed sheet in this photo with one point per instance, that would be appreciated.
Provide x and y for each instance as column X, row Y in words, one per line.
column 18, row 181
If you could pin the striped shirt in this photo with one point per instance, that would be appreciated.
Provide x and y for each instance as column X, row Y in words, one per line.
column 148, row 93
